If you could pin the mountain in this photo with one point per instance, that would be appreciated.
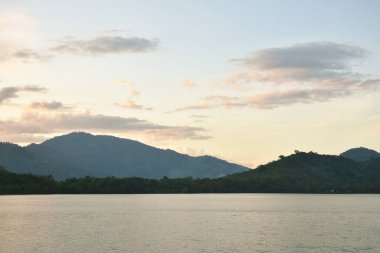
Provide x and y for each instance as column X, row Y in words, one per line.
column 82, row 154
column 298, row 173
column 21, row 160
column 360, row 154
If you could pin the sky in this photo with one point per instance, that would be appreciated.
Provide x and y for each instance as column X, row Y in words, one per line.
column 245, row 81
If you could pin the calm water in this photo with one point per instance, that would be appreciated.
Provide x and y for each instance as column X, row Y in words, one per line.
column 190, row 223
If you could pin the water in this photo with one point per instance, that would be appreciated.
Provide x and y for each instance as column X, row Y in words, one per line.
column 190, row 223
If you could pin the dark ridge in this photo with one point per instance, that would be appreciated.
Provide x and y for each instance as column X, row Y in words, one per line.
column 361, row 154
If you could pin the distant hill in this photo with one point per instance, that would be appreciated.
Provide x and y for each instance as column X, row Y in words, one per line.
column 360, row 154
column 22, row 160
column 82, row 154
column 309, row 172
column 297, row 173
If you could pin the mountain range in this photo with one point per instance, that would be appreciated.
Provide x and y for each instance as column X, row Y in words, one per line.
column 297, row 173
column 78, row 154
column 81, row 154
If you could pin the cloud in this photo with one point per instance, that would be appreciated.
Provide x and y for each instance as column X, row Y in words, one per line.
column 302, row 73
column 240, row 81
column 314, row 55
column 210, row 102
column 300, row 63
column 18, row 35
column 28, row 55
column 32, row 123
column 22, row 138
column 198, row 117
column 54, row 105
column 130, row 104
column 177, row 133
column 134, row 92
column 370, row 84
column 125, row 82
column 106, row 45
column 19, row 40
column 293, row 96
column 192, row 151
column 199, row 106
column 270, row 100
column 189, row 84
column 7, row 93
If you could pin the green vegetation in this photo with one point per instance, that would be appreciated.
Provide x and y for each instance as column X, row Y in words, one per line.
column 310, row 173
column 297, row 173
column 11, row 183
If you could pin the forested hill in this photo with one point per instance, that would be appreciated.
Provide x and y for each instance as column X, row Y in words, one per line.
column 309, row 172
column 361, row 154
column 297, row 173
column 82, row 154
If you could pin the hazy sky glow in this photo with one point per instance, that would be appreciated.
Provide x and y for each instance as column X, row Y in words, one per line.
column 242, row 80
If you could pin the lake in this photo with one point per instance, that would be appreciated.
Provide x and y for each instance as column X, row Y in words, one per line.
column 190, row 223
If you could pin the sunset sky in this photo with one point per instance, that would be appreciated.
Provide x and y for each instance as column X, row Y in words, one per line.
column 245, row 81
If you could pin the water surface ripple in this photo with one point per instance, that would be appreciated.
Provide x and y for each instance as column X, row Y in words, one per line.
column 190, row 223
